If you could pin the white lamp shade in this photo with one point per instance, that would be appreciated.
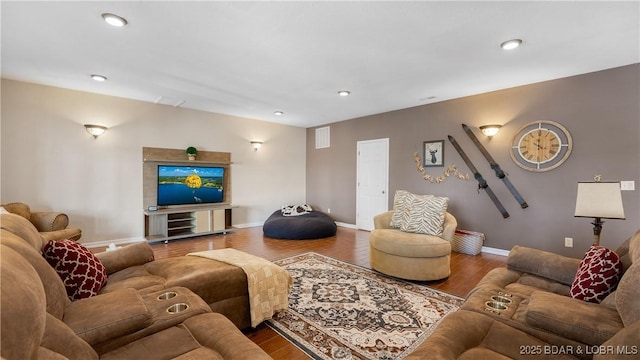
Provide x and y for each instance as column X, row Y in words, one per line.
column 599, row 200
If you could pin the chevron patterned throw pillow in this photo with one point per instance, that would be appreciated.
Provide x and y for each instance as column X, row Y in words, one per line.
column 425, row 215
column 401, row 201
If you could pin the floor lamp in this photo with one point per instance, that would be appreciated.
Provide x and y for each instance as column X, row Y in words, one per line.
column 599, row 200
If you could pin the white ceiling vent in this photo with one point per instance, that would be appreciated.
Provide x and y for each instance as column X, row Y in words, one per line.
column 163, row 100
column 323, row 138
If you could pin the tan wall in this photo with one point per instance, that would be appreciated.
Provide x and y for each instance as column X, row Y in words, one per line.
column 601, row 111
column 50, row 162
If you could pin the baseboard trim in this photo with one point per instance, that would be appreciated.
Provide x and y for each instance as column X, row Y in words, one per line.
column 246, row 225
column 341, row 224
column 495, row 251
column 345, row 225
column 97, row 244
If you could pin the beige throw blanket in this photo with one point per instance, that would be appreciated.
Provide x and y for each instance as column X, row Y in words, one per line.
column 268, row 283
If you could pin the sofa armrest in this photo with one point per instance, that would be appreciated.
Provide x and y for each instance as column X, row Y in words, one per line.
column 107, row 316
column 382, row 221
column 130, row 255
column 49, row 220
column 218, row 333
column 626, row 340
column 70, row 233
column 586, row 322
column 543, row 263
column 471, row 335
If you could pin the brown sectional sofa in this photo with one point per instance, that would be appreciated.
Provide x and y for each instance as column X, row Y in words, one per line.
column 542, row 320
column 222, row 286
column 129, row 319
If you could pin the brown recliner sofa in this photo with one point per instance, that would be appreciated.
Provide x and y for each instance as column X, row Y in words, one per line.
column 39, row 321
column 222, row 286
column 52, row 225
column 541, row 320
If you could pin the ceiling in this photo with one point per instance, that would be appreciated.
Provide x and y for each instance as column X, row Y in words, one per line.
column 250, row 59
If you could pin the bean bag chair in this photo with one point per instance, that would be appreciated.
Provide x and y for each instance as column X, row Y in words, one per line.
column 311, row 225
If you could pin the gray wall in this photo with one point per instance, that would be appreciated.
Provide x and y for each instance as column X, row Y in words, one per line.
column 600, row 110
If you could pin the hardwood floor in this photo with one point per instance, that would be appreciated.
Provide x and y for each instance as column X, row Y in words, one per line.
column 348, row 245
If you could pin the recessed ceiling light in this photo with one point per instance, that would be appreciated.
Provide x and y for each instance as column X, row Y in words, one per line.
column 114, row 20
column 278, row 113
column 97, row 77
column 344, row 93
column 511, row 44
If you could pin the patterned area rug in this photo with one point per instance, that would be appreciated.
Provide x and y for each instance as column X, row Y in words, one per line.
column 342, row 311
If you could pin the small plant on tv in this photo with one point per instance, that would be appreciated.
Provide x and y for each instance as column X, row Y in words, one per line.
column 191, row 152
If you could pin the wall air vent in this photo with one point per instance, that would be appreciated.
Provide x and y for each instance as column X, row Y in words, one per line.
column 323, row 138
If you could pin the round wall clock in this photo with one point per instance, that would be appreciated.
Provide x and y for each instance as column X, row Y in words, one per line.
column 541, row 145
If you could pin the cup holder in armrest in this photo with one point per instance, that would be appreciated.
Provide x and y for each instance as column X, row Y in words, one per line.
column 167, row 295
column 501, row 299
column 495, row 306
column 176, row 308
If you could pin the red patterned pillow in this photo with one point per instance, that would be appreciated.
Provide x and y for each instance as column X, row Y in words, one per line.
column 81, row 272
column 597, row 275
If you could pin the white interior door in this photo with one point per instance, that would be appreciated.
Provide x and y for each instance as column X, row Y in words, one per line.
column 372, row 178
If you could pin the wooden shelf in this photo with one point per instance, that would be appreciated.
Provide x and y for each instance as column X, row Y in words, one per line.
column 161, row 155
column 186, row 162
column 188, row 221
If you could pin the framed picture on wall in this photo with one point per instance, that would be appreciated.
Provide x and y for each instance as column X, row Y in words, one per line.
column 433, row 153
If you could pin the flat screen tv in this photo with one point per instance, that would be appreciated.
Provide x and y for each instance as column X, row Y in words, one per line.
column 189, row 185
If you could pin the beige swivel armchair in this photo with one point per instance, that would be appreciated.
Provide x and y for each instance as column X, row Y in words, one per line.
column 51, row 225
column 408, row 255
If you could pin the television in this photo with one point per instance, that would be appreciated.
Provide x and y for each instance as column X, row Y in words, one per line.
column 190, row 185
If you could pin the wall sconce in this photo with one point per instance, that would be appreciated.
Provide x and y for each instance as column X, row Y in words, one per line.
column 490, row 130
column 256, row 145
column 95, row 130
column 599, row 200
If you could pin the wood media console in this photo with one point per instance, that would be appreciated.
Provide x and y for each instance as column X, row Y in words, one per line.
column 182, row 221
column 176, row 223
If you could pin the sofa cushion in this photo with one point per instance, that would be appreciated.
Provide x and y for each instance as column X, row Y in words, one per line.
column 23, row 303
column 425, row 215
column 108, row 316
column 56, row 294
column 81, row 271
column 584, row 322
column 126, row 257
column 23, row 228
column 627, row 296
column 543, row 264
column 597, row 275
column 625, row 342
column 408, row 245
column 60, row 338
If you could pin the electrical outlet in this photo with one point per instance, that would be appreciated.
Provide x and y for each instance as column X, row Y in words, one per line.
column 628, row 185
column 328, row 210
column 568, row 242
